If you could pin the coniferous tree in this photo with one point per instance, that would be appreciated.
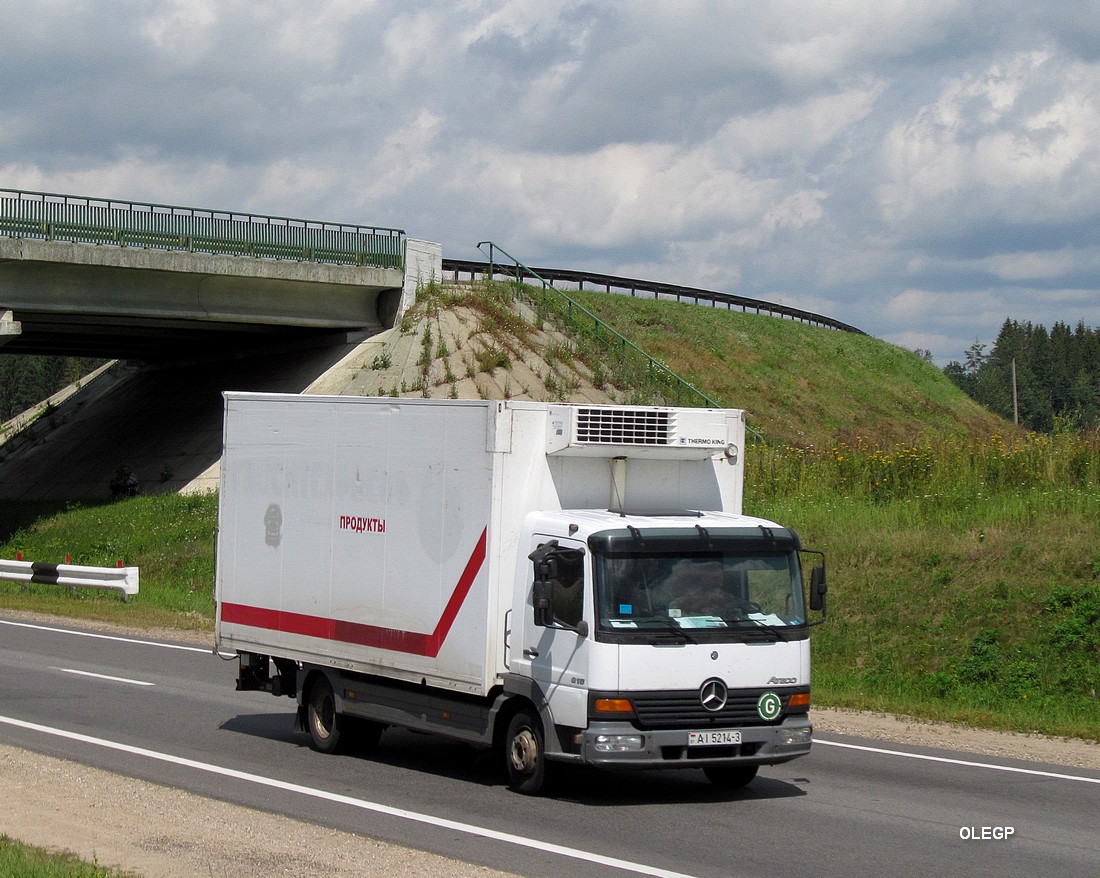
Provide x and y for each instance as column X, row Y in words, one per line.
column 1057, row 374
column 26, row 380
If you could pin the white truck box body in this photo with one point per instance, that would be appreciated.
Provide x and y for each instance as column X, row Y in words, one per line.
column 382, row 535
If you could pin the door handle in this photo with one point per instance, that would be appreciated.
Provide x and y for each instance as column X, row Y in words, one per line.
column 530, row 653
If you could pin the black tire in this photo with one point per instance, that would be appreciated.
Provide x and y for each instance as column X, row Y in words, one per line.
column 525, row 754
column 731, row 777
column 326, row 726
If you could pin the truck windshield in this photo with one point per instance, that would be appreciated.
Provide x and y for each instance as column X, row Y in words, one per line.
column 710, row 592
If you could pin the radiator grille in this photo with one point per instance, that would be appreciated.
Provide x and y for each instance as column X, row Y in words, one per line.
column 676, row 710
column 609, row 426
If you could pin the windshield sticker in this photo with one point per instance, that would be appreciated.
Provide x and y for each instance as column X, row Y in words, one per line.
column 700, row 622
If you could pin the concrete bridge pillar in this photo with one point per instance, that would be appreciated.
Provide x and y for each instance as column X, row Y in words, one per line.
column 9, row 326
column 423, row 265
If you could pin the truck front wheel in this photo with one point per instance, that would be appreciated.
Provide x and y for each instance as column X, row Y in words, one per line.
column 325, row 724
column 525, row 754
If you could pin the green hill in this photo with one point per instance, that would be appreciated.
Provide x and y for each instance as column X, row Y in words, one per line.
column 799, row 384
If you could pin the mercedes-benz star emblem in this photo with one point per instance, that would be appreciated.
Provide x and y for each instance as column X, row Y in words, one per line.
column 713, row 694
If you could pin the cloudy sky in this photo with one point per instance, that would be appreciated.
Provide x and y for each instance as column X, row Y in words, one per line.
column 920, row 170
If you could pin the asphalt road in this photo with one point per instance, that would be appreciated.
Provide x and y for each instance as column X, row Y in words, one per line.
column 168, row 713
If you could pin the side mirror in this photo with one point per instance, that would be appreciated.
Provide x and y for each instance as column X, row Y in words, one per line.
column 557, row 575
column 542, row 591
column 818, row 589
column 542, row 597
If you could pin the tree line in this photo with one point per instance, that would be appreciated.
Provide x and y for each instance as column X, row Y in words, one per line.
column 28, row 379
column 1057, row 375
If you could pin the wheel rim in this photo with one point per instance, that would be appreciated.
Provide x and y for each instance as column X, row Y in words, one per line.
column 324, row 712
column 525, row 752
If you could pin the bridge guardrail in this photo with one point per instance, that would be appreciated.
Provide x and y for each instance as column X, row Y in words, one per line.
column 53, row 217
column 655, row 289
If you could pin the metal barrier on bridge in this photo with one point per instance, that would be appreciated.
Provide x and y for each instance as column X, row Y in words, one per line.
column 77, row 219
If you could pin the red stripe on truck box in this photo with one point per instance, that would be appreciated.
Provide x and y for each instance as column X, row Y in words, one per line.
column 357, row 633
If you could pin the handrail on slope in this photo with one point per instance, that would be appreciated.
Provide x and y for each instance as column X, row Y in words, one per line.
column 602, row 332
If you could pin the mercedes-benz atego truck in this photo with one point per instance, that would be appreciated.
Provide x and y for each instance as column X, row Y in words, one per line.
column 562, row 583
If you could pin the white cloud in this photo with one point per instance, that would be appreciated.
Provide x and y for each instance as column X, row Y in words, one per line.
column 797, row 129
column 911, row 305
column 181, row 26
column 921, row 308
column 408, row 153
column 831, row 39
column 1020, row 140
column 1030, row 266
column 918, row 170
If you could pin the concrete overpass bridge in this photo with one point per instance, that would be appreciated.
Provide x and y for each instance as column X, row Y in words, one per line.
column 92, row 277
column 189, row 302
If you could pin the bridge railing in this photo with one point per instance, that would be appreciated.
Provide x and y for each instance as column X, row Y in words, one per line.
column 53, row 217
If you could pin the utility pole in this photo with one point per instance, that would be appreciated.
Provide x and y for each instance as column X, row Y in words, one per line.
column 1015, row 398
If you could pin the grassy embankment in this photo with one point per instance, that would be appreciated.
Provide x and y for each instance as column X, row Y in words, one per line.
column 964, row 558
column 22, row 861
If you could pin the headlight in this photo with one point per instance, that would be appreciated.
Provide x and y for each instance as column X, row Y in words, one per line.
column 619, row 743
column 799, row 737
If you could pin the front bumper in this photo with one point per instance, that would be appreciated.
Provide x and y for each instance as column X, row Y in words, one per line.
column 760, row 745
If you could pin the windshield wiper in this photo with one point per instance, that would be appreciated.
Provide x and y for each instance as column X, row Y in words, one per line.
column 667, row 623
column 743, row 624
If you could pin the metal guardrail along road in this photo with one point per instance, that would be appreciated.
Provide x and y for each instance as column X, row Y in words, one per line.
column 77, row 219
column 651, row 289
column 122, row 579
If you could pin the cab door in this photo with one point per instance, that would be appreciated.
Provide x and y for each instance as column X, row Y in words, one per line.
column 555, row 642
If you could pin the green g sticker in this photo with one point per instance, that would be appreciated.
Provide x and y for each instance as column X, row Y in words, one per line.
column 769, row 706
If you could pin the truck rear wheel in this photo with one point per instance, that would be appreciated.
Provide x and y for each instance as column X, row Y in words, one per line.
column 731, row 777
column 324, row 723
column 524, row 754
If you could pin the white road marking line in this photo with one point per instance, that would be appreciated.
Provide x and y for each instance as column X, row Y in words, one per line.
column 361, row 804
column 98, row 635
column 103, row 677
column 949, row 761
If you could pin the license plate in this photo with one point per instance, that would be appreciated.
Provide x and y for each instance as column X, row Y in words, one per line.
column 715, row 738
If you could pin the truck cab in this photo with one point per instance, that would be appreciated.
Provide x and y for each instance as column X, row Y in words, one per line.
column 664, row 640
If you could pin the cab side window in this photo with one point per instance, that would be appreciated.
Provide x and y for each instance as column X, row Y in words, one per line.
column 569, row 589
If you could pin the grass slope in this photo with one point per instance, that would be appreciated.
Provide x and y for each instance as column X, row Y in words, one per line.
column 23, row 861
column 798, row 384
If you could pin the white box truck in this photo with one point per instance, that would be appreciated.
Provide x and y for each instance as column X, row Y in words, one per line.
column 564, row 583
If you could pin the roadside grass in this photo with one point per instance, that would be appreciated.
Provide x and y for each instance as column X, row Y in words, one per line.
column 23, row 861
column 965, row 576
column 169, row 537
